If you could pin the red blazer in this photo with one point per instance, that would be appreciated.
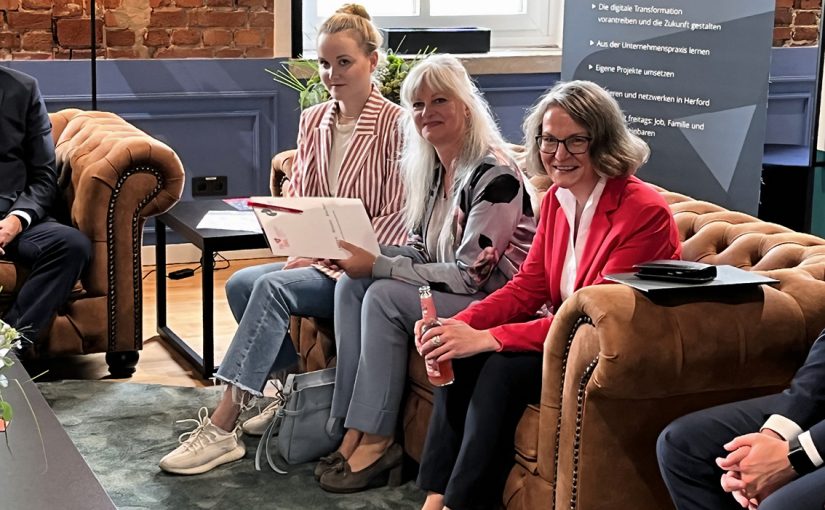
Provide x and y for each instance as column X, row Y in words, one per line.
column 369, row 170
column 632, row 224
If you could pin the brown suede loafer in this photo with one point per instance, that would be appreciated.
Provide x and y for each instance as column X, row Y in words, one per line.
column 328, row 462
column 384, row 471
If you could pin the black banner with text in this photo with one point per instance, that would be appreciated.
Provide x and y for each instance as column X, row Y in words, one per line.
column 692, row 79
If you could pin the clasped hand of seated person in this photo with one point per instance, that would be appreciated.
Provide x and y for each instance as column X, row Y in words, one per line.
column 756, row 467
column 456, row 339
column 10, row 227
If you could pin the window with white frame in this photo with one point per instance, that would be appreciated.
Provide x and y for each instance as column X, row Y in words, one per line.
column 513, row 23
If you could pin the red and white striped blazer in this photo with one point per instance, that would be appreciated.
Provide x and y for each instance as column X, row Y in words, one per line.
column 369, row 169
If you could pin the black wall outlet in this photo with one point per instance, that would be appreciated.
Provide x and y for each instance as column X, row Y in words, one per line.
column 209, row 186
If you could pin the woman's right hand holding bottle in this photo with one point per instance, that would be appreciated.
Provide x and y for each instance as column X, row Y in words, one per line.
column 420, row 328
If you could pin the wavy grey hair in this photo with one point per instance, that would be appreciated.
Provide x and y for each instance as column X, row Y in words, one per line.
column 614, row 150
column 443, row 74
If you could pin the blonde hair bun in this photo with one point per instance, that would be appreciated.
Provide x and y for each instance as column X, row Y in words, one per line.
column 354, row 17
column 355, row 10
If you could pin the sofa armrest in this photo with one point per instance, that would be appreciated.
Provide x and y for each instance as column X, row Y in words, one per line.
column 60, row 120
column 281, row 169
column 114, row 176
column 107, row 165
column 613, row 343
column 757, row 337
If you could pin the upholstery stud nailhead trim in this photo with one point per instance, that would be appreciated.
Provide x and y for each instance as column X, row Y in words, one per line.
column 579, row 322
column 136, row 238
column 588, row 372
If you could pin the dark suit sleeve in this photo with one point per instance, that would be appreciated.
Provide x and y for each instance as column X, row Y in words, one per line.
column 38, row 154
column 804, row 401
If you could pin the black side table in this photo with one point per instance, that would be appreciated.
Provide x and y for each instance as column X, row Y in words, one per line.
column 183, row 219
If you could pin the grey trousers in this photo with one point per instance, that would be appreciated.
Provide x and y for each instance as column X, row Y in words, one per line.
column 374, row 321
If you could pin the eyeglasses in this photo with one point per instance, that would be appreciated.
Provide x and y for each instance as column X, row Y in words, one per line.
column 576, row 144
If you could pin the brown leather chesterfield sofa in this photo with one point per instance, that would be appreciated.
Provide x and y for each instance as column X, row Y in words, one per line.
column 113, row 176
column 619, row 366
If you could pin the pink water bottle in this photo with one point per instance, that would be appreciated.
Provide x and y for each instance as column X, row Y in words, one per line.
column 439, row 374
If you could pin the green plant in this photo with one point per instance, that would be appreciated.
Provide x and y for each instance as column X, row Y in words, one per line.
column 311, row 91
column 393, row 72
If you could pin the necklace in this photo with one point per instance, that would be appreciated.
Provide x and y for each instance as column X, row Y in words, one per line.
column 346, row 117
column 345, row 120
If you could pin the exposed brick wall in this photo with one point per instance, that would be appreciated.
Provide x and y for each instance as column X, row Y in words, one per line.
column 59, row 29
column 45, row 29
column 797, row 22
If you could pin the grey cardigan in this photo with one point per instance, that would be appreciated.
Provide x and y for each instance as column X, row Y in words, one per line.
column 493, row 227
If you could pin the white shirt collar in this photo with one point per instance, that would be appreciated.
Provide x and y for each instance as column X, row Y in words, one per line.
column 575, row 246
column 568, row 201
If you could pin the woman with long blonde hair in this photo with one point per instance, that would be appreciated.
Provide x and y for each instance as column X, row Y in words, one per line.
column 471, row 225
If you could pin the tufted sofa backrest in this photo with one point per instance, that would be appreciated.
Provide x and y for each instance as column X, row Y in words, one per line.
column 714, row 235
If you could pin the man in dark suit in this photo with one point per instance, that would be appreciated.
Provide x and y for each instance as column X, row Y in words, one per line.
column 765, row 452
column 55, row 254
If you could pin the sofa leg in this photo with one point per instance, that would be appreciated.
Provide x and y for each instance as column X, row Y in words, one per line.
column 122, row 363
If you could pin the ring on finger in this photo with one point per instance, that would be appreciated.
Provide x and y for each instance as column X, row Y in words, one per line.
column 437, row 340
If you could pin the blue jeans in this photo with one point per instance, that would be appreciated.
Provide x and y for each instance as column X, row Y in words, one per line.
column 262, row 298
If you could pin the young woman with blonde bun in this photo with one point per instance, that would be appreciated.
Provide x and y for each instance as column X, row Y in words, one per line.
column 347, row 147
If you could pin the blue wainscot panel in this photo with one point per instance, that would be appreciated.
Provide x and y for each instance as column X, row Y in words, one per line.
column 222, row 117
column 791, row 106
column 227, row 117
column 510, row 96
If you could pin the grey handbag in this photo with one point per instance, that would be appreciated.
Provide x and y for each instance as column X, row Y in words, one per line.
column 301, row 430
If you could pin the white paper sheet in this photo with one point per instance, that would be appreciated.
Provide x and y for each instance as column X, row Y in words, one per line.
column 230, row 220
column 314, row 231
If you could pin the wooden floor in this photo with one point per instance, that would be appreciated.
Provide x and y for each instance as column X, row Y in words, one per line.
column 159, row 364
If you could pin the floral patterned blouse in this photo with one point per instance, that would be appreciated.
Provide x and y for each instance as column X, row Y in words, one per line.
column 491, row 235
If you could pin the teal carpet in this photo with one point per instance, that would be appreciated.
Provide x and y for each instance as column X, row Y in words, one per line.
column 123, row 429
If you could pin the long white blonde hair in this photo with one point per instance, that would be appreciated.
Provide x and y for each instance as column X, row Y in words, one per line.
column 443, row 74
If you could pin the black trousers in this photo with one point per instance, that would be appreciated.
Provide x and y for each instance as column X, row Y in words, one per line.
column 688, row 446
column 56, row 255
column 469, row 448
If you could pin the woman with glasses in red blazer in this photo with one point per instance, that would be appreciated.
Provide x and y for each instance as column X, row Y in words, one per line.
column 596, row 219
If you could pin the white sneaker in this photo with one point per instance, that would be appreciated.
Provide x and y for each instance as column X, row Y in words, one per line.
column 256, row 426
column 204, row 448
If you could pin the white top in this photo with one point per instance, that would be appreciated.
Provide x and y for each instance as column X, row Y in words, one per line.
column 341, row 135
column 575, row 246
